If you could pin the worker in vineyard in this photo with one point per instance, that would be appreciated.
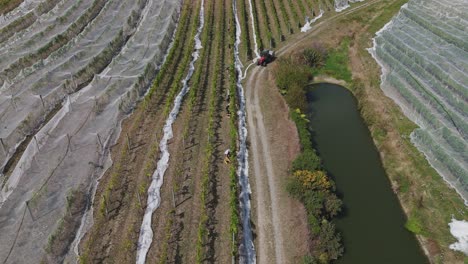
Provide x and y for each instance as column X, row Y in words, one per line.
column 227, row 111
column 227, row 160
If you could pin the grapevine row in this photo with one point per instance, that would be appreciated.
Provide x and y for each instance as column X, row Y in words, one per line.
column 181, row 69
column 276, row 19
column 245, row 29
column 233, row 132
column 267, row 24
column 116, row 177
column 285, row 15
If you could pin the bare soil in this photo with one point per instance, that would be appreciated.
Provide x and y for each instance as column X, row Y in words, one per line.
column 279, row 219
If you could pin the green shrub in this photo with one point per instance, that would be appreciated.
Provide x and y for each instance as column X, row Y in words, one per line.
column 294, row 188
column 309, row 260
column 413, row 225
column 290, row 72
column 307, row 160
column 302, row 126
column 296, row 96
column 314, row 224
column 333, row 205
column 314, row 202
column 313, row 57
column 337, row 63
column 330, row 241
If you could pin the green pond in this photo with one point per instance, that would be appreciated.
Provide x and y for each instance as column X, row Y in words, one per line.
column 372, row 222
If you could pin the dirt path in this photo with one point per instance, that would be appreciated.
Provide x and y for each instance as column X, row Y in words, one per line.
column 280, row 229
column 263, row 166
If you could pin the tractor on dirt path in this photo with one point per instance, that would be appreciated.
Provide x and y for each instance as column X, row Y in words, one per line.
column 266, row 57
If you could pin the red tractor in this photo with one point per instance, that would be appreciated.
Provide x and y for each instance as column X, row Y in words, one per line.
column 266, row 57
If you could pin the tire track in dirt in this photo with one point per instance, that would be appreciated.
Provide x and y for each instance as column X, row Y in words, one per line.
column 263, row 167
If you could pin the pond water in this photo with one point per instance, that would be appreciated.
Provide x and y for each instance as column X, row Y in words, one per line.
column 372, row 222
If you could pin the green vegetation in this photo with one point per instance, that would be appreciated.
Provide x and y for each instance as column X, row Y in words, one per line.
column 25, row 21
column 233, row 187
column 62, row 237
column 292, row 78
column 257, row 26
column 311, row 185
column 297, row 71
column 16, row 26
column 170, row 56
column 315, row 57
column 310, row 7
column 233, row 133
column 390, row 10
column 302, row 8
column 308, row 182
column 53, row 237
column 181, row 70
column 337, row 63
column 285, row 15
column 167, row 237
column 277, row 22
column 244, row 21
column 266, row 25
column 414, row 225
column 294, row 13
column 113, row 186
column 209, row 147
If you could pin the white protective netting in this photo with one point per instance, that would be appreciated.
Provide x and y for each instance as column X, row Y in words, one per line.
column 423, row 53
column 247, row 252
column 341, row 5
column 87, row 88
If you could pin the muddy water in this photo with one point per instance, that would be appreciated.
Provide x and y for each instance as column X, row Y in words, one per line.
column 372, row 224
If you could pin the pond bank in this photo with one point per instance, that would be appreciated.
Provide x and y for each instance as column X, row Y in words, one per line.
column 372, row 224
